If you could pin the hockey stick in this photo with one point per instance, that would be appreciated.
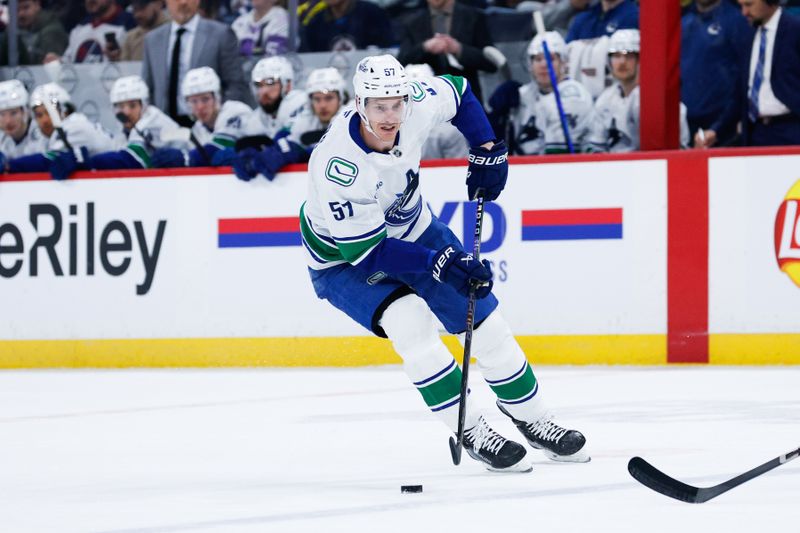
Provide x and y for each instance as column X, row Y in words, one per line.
column 55, row 118
column 653, row 478
column 539, row 22
column 457, row 444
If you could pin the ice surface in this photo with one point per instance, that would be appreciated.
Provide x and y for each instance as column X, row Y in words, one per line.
column 322, row 450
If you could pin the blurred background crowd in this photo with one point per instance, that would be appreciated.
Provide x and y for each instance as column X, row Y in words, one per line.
column 739, row 66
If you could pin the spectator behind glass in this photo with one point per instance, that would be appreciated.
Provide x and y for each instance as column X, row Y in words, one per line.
column 450, row 37
column 713, row 34
column 558, row 16
column 604, row 18
column 344, row 25
column 99, row 37
column 41, row 31
column 264, row 30
column 149, row 14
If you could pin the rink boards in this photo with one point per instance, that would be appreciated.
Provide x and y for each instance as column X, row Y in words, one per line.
column 643, row 259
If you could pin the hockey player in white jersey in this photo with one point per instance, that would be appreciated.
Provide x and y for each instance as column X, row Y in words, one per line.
column 618, row 105
column 78, row 138
column 530, row 114
column 142, row 124
column 445, row 141
column 19, row 133
column 217, row 125
column 326, row 92
column 378, row 254
column 278, row 101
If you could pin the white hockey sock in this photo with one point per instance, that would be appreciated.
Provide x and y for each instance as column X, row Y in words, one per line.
column 411, row 326
column 505, row 368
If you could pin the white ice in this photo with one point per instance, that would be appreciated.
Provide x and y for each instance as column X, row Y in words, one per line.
column 323, row 450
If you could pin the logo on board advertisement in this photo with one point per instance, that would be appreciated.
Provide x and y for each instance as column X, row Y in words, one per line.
column 69, row 242
column 787, row 234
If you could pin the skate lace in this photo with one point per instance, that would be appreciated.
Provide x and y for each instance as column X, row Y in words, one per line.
column 484, row 437
column 546, row 429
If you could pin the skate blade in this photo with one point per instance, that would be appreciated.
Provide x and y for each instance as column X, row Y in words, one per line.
column 578, row 457
column 522, row 467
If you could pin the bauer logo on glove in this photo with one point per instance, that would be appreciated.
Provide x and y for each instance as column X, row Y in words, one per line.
column 488, row 171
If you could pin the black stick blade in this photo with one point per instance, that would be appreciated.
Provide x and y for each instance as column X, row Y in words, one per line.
column 655, row 479
column 455, row 451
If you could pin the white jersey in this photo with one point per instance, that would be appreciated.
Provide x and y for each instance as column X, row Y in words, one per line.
column 537, row 122
column 260, row 123
column 82, row 132
column 228, row 127
column 357, row 196
column 86, row 42
column 33, row 142
column 307, row 130
column 619, row 116
column 145, row 137
column 268, row 35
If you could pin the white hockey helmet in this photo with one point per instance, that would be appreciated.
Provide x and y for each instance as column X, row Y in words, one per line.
column 52, row 92
column 324, row 80
column 419, row 70
column 380, row 77
column 129, row 88
column 555, row 43
column 274, row 68
column 626, row 41
column 13, row 94
column 201, row 80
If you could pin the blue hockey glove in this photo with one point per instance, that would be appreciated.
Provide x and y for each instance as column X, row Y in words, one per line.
column 65, row 163
column 459, row 269
column 505, row 97
column 223, row 158
column 268, row 162
column 168, row 158
column 2, row 163
column 243, row 164
column 488, row 170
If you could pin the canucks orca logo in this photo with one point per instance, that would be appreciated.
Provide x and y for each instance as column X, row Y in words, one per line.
column 396, row 215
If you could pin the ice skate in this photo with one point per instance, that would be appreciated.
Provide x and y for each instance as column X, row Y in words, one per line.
column 557, row 443
column 498, row 453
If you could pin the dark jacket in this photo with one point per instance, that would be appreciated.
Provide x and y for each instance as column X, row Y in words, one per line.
column 785, row 76
column 45, row 35
column 468, row 26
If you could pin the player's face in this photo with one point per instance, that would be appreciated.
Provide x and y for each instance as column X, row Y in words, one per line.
column 12, row 121
column 269, row 94
column 42, row 118
column 624, row 66
column 204, row 108
column 385, row 116
column 131, row 110
column 325, row 105
column 541, row 74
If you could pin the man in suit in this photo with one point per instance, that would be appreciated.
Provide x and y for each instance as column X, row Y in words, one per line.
column 450, row 37
column 768, row 101
column 189, row 42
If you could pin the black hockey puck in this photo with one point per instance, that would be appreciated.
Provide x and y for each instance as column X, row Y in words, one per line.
column 410, row 488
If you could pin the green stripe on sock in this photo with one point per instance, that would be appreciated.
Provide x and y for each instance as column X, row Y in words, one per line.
column 519, row 388
column 442, row 390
